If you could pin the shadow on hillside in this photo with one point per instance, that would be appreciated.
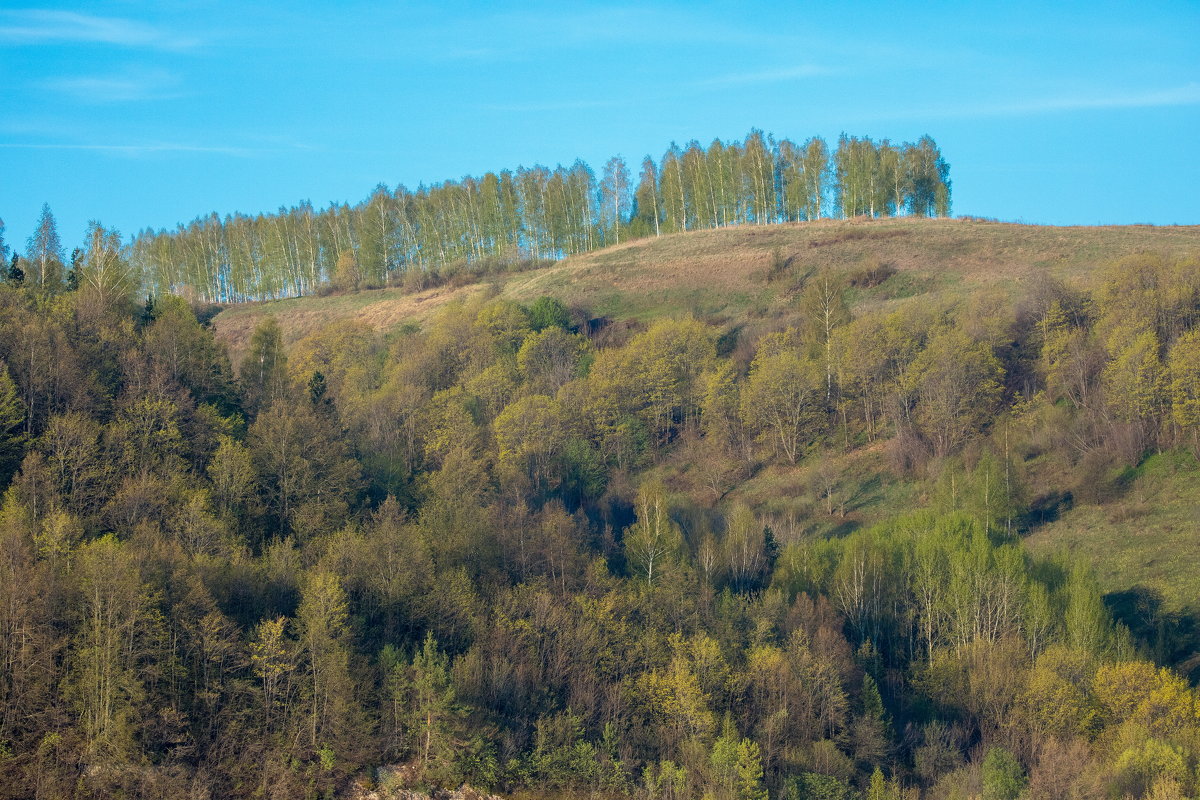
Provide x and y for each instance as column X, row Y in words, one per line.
column 1169, row 637
column 866, row 494
column 1045, row 508
column 843, row 529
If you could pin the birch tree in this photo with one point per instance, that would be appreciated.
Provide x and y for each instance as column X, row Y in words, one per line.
column 44, row 253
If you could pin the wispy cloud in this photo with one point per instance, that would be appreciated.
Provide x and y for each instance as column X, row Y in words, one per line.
column 142, row 149
column 780, row 75
column 1186, row 95
column 153, row 85
column 567, row 105
column 36, row 26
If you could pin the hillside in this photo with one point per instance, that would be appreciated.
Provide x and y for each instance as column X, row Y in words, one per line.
column 834, row 510
column 725, row 274
column 1142, row 541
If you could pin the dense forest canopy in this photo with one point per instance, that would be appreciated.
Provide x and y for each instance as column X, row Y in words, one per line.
column 535, row 213
column 497, row 549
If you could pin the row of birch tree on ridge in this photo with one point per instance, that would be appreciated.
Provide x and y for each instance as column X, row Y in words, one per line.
column 537, row 213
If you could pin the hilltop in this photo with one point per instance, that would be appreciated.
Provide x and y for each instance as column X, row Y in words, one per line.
column 736, row 274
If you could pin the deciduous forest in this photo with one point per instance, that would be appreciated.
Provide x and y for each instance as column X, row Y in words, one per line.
column 412, row 237
column 496, row 549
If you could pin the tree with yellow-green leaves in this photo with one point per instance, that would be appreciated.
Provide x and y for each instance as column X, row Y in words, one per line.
column 783, row 401
column 653, row 544
column 825, row 309
column 263, row 371
column 347, row 274
column 1135, row 381
column 532, row 213
column 306, row 476
column 552, row 357
column 106, row 658
column 273, row 661
column 1183, row 372
column 323, row 630
column 957, row 382
column 12, row 424
column 44, row 254
column 531, row 434
column 106, row 277
column 614, row 199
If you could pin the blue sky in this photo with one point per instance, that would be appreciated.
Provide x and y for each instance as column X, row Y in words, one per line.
column 149, row 114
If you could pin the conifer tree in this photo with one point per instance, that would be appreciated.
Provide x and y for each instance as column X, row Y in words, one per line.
column 15, row 275
column 750, row 772
column 433, row 706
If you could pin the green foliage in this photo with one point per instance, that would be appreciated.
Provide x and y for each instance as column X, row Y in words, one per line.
column 783, row 400
column 44, row 254
column 815, row 786
column 105, row 678
column 1003, row 777
column 12, row 426
column 548, row 312
column 530, row 434
column 1140, row 767
column 654, row 543
column 347, row 275
column 749, row 772
column 880, row 789
column 957, row 383
column 430, row 549
column 306, row 476
column 264, row 369
column 1184, row 371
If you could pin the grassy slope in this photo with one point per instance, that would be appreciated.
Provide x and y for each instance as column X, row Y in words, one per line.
column 722, row 274
column 1148, row 537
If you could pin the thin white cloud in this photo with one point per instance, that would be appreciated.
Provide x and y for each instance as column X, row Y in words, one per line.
column 36, row 26
column 765, row 76
column 139, row 149
column 569, row 105
column 155, row 85
column 1186, row 95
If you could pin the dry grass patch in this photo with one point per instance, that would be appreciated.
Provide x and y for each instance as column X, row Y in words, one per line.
column 727, row 272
